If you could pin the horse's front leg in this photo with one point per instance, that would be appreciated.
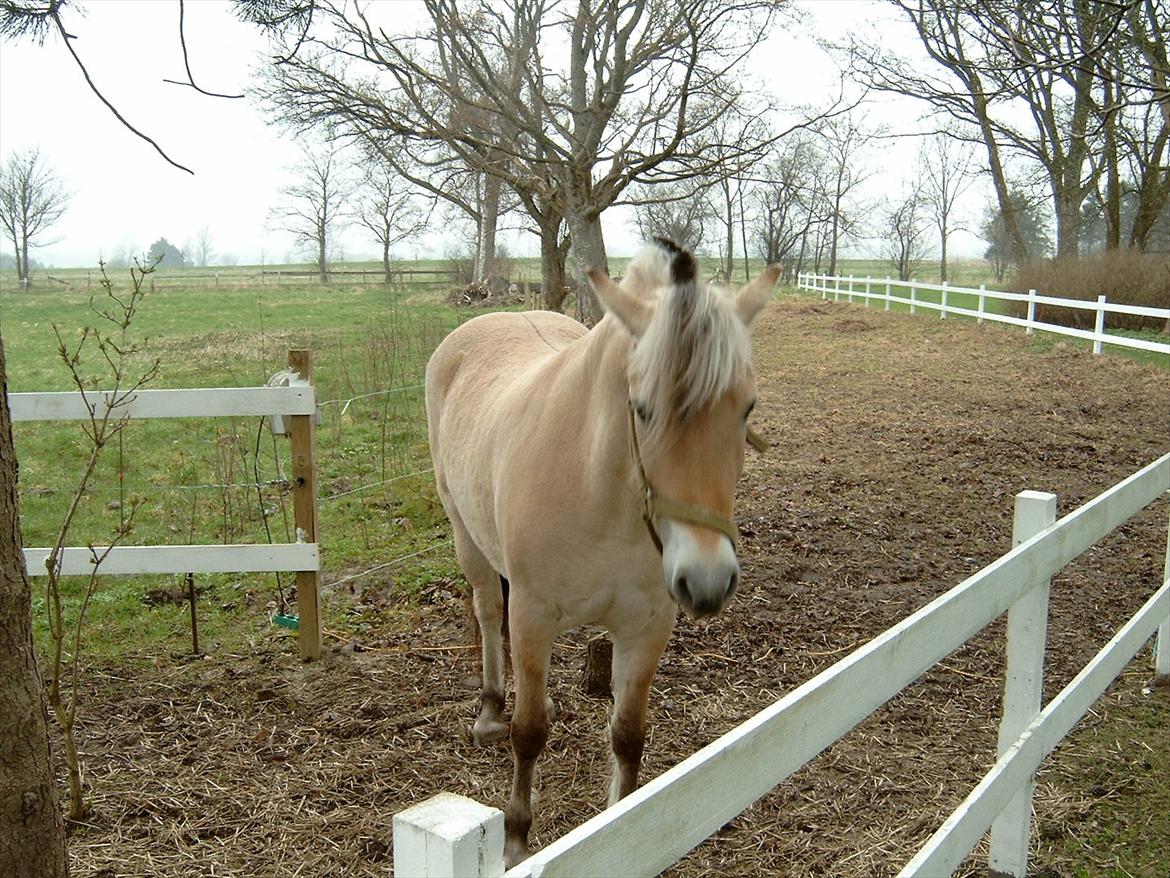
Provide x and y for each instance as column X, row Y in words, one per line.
column 532, row 638
column 635, row 659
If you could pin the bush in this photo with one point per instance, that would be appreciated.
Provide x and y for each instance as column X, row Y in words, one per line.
column 1125, row 277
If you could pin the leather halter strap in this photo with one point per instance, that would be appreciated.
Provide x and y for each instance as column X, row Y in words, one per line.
column 655, row 506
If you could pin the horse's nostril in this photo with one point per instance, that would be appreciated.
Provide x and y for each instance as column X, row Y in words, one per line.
column 682, row 590
column 732, row 584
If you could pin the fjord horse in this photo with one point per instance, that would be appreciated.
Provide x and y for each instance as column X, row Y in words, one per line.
column 595, row 471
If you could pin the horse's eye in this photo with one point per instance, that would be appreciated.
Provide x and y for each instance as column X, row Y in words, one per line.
column 642, row 412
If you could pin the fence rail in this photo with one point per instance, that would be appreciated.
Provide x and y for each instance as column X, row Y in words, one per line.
column 652, row 828
column 866, row 289
column 292, row 409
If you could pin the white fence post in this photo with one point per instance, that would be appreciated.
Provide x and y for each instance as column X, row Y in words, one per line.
column 449, row 836
column 913, row 299
column 850, row 288
column 867, row 283
column 1162, row 644
column 837, row 288
column 942, row 312
column 1027, row 629
column 1031, row 326
column 1100, row 326
column 982, row 300
column 888, row 292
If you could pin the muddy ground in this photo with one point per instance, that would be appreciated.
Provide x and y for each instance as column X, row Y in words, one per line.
column 899, row 443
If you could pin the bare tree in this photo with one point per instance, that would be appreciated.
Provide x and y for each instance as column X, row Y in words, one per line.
column 312, row 206
column 843, row 139
column 32, row 831
column 388, row 209
column 638, row 79
column 679, row 211
column 947, row 173
column 202, row 249
column 32, row 200
column 789, row 202
column 905, row 232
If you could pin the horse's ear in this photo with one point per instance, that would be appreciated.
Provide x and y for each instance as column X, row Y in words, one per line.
column 630, row 310
column 753, row 296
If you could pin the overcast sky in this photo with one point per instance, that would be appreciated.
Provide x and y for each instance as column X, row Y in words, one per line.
column 126, row 196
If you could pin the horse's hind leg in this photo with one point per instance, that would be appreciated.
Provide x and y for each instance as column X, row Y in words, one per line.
column 487, row 598
column 635, row 659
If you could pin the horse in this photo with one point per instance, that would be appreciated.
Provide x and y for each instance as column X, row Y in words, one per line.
column 594, row 472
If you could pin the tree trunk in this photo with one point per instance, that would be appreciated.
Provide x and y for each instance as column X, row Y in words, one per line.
column 588, row 249
column 322, row 266
column 1068, row 224
column 32, row 832
column 386, row 261
column 552, row 265
column 942, row 261
column 485, row 253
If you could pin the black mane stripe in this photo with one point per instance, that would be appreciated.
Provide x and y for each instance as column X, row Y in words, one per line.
column 682, row 266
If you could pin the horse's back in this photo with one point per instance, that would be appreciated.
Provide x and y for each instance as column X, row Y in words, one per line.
column 490, row 351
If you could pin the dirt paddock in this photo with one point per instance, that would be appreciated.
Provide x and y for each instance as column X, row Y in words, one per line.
column 898, row 444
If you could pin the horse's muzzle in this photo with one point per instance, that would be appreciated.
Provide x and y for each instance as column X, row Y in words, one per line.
column 700, row 579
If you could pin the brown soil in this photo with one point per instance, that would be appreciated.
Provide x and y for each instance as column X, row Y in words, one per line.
column 899, row 443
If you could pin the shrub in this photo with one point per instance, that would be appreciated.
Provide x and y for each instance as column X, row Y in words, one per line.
column 1126, row 277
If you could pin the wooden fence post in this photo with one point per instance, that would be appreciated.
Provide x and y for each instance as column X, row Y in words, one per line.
column 1031, row 325
column 449, row 836
column 888, row 292
column 982, row 300
column 1027, row 631
column 942, row 312
column 302, row 436
column 913, row 299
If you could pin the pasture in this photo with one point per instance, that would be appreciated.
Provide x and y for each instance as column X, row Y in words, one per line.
column 898, row 444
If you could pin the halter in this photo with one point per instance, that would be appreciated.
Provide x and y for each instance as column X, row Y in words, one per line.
column 654, row 506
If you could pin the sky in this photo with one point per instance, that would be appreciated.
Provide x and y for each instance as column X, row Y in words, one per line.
column 126, row 196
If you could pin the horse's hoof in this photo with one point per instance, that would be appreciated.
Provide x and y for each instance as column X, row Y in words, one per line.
column 515, row 853
column 488, row 731
column 550, row 707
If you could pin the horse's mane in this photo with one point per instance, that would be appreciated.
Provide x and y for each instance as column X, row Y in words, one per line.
column 696, row 345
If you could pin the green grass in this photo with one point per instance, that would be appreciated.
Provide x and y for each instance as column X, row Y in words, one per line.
column 366, row 339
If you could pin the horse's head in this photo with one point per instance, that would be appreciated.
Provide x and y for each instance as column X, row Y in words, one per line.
column 691, row 389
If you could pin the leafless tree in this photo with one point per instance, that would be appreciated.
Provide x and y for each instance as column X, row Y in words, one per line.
column 638, row 79
column 202, row 249
column 679, row 211
column 904, row 232
column 948, row 171
column 789, row 202
column 844, row 140
column 1069, row 67
column 32, row 200
column 386, row 206
column 311, row 209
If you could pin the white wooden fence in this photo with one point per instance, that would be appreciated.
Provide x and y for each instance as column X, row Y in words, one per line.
column 652, row 828
column 297, row 401
column 867, row 289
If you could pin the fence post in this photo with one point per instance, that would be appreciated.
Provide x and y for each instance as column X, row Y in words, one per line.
column 867, row 282
column 1162, row 644
column 913, row 292
column 942, row 312
column 1027, row 630
column 850, row 288
column 1099, row 329
column 449, row 836
column 888, row 292
column 837, row 288
column 982, row 300
column 1031, row 327
column 302, row 436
